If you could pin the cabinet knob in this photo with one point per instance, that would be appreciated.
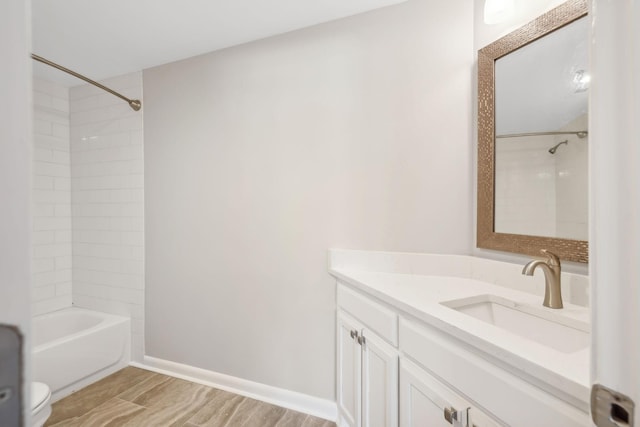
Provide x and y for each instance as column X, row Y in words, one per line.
column 361, row 340
column 354, row 334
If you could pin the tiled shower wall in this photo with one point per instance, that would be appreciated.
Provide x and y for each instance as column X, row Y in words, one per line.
column 107, row 177
column 51, row 199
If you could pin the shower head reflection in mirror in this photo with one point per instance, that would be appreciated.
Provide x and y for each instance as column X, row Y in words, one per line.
column 553, row 149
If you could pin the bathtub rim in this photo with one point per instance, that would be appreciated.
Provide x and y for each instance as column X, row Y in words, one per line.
column 106, row 320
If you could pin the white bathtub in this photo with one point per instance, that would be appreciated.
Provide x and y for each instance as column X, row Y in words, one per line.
column 75, row 347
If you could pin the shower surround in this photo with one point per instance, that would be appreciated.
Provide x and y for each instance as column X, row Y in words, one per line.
column 88, row 201
column 107, row 202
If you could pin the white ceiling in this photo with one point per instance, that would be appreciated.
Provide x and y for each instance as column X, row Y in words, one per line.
column 104, row 38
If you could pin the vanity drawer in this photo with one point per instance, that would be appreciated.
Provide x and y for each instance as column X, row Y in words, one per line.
column 379, row 319
column 505, row 395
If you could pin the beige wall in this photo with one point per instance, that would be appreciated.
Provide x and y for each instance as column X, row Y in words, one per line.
column 352, row 134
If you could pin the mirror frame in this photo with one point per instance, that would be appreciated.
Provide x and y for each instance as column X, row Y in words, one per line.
column 566, row 249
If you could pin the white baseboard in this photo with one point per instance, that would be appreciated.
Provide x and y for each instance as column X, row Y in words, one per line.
column 300, row 402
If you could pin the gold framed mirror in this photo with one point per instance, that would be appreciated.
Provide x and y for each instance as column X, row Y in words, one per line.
column 551, row 116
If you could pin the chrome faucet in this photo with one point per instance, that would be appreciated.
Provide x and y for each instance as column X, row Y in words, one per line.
column 551, row 269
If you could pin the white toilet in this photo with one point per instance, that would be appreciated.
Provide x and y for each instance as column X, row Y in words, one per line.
column 40, row 403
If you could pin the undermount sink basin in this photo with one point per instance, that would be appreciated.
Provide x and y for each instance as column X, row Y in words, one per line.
column 536, row 324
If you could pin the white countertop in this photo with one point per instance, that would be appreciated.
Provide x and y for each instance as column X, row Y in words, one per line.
column 421, row 295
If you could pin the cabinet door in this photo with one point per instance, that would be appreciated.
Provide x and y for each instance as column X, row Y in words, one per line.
column 379, row 382
column 423, row 401
column 349, row 372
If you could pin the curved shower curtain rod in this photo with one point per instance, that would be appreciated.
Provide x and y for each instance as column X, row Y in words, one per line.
column 580, row 133
column 135, row 104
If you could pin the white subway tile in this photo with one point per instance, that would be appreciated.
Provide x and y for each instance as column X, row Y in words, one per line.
column 43, row 210
column 42, row 183
column 51, row 169
column 64, row 262
column 48, row 114
column 51, row 223
column 51, row 277
column 42, row 85
column 62, row 210
column 133, row 267
column 92, row 196
column 128, row 195
column 62, row 184
column 80, row 287
column 51, row 196
column 101, row 304
column 76, row 93
column 49, row 141
column 51, row 304
column 43, row 155
column 60, row 131
column 130, row 124
column 48, row 251
column 42, row 127
column 43, row 265
column 84, row 104
column 97, row 250
column 97, row 264
column 99, row 237
column 137, row 138
column 130, row 296
column 92, row 223
column 63, row 236
column 101, row 209
column 127, row 224
column 133, row 209
column 132, row 238
column 41, row 99
column 60, row 104
column 63, row 289
column 41, row 293
column 42, row 238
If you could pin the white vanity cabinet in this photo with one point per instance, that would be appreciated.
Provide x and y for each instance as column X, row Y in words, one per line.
column 489, row 384
column 397, row 370
column 367, row 365
column 424, row 401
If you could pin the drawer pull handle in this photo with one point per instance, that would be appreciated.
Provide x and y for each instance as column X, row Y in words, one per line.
column 451, row 414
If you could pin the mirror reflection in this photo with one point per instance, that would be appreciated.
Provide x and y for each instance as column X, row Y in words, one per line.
column 541, row 118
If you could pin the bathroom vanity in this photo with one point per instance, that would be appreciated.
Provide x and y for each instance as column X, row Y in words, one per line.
column 430, row 340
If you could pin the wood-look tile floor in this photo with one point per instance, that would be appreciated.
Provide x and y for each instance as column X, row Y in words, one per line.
column 135, row 397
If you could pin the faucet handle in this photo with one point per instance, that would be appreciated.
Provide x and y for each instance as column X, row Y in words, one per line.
column 552, row 259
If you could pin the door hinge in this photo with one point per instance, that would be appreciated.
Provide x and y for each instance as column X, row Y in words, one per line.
column 610, row 408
